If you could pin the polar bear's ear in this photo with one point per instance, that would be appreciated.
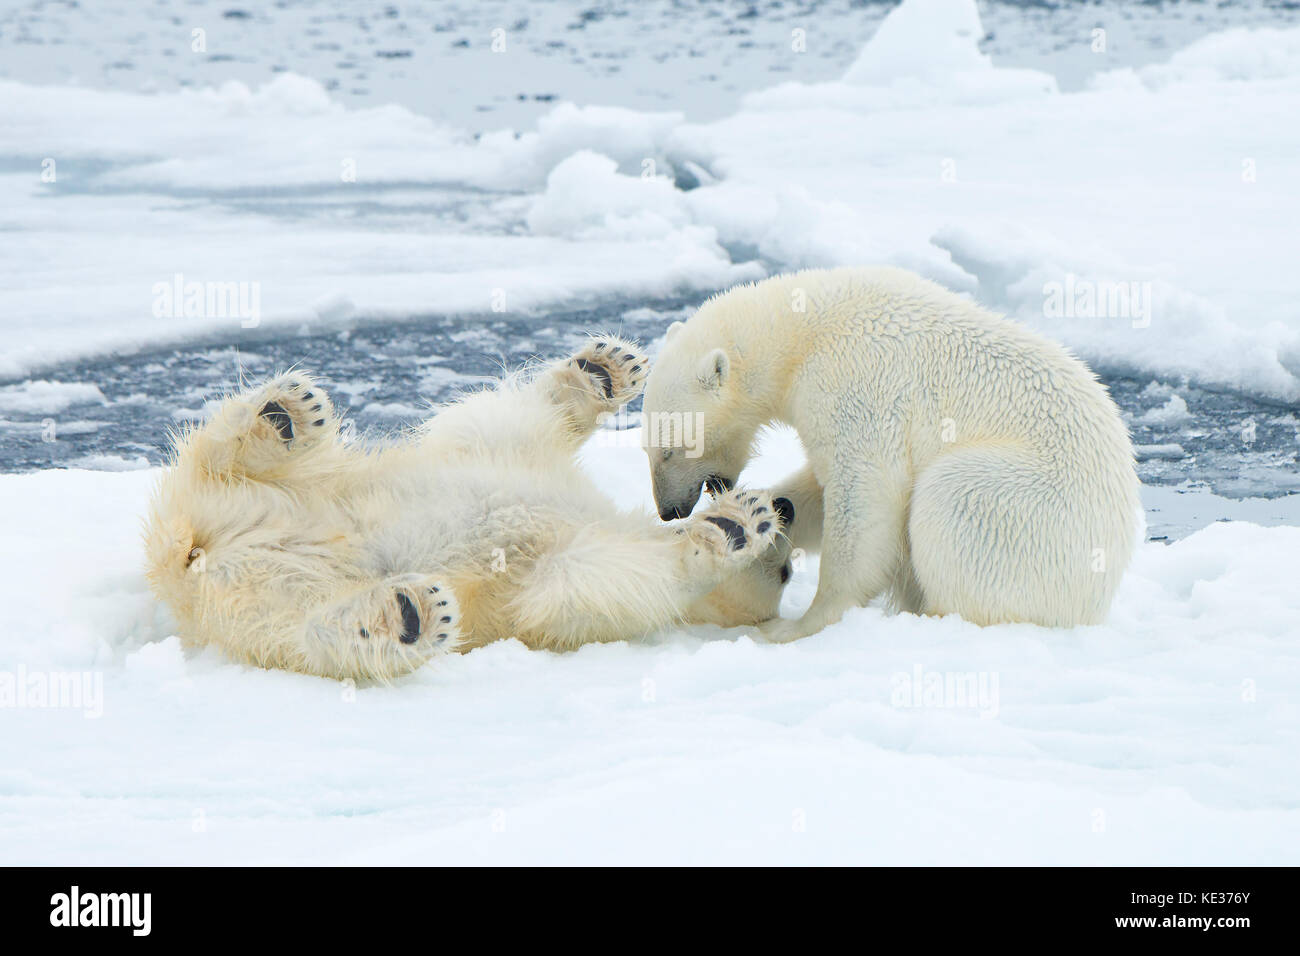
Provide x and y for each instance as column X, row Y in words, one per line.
column 673, row 330
column 714, row 369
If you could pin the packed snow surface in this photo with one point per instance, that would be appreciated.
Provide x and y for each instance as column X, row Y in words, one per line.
column 1167, row 736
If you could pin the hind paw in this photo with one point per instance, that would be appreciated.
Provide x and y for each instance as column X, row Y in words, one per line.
column 252, row 434
column 614, row 370
column 421, row 610
column 292, row 410
column 388, row 629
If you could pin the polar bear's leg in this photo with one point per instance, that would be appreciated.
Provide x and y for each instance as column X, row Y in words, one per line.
column 267, row 432
column 596, row 380
column 905, row 592
column 805, row 493
column 302, row 604
column 863, row 541
column 383, row 629
column 994, row 540
column 551, row 415
column 611, row 581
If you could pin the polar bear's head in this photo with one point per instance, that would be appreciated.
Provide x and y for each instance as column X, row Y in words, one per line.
column 700, row 425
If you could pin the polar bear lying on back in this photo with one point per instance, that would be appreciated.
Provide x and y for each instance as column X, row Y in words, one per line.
column 272, row 538
column 956, row 461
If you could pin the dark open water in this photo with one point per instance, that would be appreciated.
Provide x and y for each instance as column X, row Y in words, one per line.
column 385, row 375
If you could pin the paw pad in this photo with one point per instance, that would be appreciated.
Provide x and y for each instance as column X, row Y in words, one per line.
column 276, row 414
column 616, row 370
column 410, row 619
column 735, row 532
column 296, row 408
column 748, row 521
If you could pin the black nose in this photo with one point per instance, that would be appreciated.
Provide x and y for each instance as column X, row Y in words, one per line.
column 673, row 513
column 785, row 508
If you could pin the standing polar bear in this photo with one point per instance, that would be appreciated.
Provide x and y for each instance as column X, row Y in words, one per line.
column 957, row 462
column 276, row 540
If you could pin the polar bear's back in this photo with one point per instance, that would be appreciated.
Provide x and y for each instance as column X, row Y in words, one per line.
column 964, row 374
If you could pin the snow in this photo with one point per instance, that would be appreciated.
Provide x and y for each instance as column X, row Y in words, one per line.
column 1166, row 736
column 586, row 196
column 926, row 48
column 44, row 396
column 1172, row 412
column 930, row 40
column 1003, row 190
column 1169, row 451
column 1174, row 181
column 1236, row 55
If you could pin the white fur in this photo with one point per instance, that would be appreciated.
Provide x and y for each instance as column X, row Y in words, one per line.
column 956, row 461
column 293, row 553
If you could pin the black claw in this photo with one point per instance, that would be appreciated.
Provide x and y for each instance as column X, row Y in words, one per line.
column 410, row 619
column 763, row 526
column 599, row 346
column 785, row 509
column 279, row 418
column 306, row 397
column 364, row 633
column 318, row 422
column 636, row 368
column 735, row 533
column 444, row 620
column 716, row 484
column 606, row 380
column 316, row 407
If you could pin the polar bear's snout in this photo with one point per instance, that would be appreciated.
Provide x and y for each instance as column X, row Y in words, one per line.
column 681, row 503
column 676, row 506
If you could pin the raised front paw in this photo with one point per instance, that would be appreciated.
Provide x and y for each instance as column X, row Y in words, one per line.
column 293, row 410
column 615, row 370
column 737, row 527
